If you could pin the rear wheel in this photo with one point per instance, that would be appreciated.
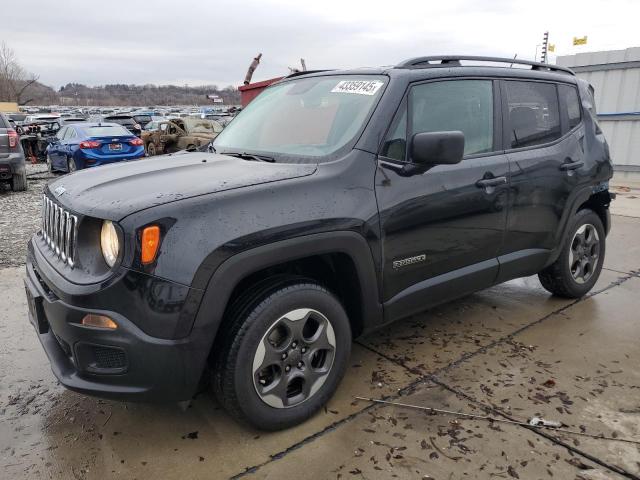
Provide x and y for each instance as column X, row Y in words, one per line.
column 578, row 267
column 19, row 182
column 71, row 165
column 283, row 353
column 151, row 149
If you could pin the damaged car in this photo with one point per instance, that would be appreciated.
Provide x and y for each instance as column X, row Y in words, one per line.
column 335, row 203
column 180, row 134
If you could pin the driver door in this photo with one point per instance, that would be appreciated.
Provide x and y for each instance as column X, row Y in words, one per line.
column 442, row 227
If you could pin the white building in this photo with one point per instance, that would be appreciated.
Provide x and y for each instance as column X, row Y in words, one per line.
column 615, row 76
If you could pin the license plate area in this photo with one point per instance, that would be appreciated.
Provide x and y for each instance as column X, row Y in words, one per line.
column 115, row 147
column 36, row 312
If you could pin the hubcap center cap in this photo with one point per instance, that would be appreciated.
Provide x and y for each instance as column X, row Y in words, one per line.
column 295, row 356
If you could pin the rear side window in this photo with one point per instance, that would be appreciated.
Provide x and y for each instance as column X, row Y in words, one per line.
column 533, row 113
column 569, row 96
column 464, row 105
column 3, row 123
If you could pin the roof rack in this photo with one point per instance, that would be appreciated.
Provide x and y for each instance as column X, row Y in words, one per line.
column 454, row 61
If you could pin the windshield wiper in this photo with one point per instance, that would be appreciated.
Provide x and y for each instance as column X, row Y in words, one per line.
column 250, row 156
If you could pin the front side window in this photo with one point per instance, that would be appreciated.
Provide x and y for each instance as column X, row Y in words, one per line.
column 455, row 105
column 533, row 113
column 572, row 103
column 305, row 117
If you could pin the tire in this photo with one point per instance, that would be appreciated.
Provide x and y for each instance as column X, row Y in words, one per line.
column 71, row 165
column 251, row 378
column 151, row 150
column 578, row 267
column 19, row 182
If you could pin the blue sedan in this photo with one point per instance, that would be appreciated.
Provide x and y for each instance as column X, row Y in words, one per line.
column 84, row 145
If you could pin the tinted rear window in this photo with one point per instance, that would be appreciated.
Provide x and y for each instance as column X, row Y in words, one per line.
column 3, row 121
column 533, row 113
column 106, row 131
column 142, row 118
column 121, row 121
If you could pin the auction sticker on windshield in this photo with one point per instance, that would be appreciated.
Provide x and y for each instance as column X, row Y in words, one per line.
column 361, row 87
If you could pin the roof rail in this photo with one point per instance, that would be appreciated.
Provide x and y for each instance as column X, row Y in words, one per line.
column 454, row 61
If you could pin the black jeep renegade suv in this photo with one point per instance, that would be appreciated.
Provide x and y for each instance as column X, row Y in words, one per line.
column 336, row 202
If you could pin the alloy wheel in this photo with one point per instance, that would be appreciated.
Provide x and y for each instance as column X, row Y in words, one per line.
column 584, row 253
column 294, row 358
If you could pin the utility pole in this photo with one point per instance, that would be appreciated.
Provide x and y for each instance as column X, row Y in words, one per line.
column 545, row 46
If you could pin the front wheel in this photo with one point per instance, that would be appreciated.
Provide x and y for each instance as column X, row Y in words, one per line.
column 283, row 353
column 578, row 267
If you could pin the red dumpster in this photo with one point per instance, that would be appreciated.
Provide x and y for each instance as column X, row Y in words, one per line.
column 251, row 91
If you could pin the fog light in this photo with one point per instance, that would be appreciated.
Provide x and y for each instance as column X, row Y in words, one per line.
column 99, row 321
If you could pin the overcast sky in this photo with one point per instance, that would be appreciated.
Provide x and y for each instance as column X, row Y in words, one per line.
column 213, row 42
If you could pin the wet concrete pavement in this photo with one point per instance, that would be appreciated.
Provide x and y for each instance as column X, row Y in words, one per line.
column 511, row 351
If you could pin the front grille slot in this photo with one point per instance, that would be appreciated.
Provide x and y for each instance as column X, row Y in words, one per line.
column 109, row 358
column 59, row 230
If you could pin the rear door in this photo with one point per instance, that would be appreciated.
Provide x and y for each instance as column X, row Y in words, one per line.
column 541, row 152
column 442, row 229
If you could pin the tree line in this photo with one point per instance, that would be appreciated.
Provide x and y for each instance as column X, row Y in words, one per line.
column 18, row 85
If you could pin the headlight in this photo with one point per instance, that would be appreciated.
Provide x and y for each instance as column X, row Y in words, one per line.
column 109, row 243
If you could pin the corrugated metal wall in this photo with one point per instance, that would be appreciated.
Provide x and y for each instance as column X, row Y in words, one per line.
column 615, row 76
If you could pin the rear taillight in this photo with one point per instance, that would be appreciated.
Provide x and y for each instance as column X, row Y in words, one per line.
column 13, row 138
column 89, row 144
column 136, row 142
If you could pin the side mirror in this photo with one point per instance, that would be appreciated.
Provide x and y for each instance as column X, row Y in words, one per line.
column 437, row 148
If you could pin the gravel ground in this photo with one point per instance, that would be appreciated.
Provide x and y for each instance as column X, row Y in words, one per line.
column 20, row 215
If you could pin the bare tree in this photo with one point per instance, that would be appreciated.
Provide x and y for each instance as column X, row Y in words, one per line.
column 14, row 80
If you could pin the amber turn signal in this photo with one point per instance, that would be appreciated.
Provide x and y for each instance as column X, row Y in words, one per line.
column 98, row 321
column 150, row 244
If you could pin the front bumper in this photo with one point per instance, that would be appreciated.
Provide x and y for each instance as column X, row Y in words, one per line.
column 125, row 363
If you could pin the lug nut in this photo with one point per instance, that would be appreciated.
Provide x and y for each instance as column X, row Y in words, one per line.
column 294, row 344
column 284, row 356
column 303, row 350
column 287, row 368
column 300, row 364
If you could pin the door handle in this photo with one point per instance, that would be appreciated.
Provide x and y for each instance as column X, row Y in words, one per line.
column 565, row 167
column 491, row 182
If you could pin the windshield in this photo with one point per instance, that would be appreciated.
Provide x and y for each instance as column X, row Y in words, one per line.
column 311, row 117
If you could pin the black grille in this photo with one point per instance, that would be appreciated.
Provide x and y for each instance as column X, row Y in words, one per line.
column 108, row 358
column 60, row 230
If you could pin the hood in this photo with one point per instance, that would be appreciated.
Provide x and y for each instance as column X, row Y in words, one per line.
column 114, row 191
